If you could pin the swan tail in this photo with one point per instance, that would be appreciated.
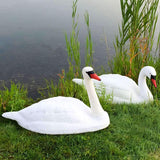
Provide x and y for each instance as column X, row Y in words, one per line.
column 10, row 115
column 78, row 81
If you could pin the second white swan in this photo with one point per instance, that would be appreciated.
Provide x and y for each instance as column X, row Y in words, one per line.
column 123, row 89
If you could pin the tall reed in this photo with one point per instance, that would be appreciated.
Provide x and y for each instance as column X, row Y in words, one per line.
column 89, row 43
column 73, row 44
column 134, row 45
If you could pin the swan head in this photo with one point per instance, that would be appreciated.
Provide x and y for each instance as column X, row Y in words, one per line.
column 150, row 73
column 88, row 74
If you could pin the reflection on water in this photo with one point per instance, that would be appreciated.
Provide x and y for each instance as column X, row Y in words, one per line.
column 32, row 42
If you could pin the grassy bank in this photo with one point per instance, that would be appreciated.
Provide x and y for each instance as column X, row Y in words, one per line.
column 133, row 134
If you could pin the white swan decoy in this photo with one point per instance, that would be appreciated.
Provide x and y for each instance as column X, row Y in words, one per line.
column 123, row 89
column 64, row 115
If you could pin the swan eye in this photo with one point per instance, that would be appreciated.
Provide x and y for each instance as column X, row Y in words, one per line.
column 90, row 72
column 153, row 77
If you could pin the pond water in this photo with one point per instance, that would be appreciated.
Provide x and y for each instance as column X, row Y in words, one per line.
column 32, row 37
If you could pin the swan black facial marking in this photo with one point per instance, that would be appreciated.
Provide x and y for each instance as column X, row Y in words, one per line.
column 153, row 77
column 90, row 72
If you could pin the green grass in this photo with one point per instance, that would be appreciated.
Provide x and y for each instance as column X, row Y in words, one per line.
column 13, row 98
column 132, row 134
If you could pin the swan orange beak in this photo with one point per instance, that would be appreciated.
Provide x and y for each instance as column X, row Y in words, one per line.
column 154, row 82
column 94, row 76
column 153, row 79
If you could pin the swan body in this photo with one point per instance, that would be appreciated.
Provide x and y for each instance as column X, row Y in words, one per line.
column 64, row 115
column 123, row 89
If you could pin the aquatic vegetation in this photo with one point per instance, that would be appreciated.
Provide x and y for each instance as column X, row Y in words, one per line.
column 13, row 98
column 73, row 45
column 89, row 43
column 134, row 44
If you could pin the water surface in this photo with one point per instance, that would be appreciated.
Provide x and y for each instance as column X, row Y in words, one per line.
column 32, row 36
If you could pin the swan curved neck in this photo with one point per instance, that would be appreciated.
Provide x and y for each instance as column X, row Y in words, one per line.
column 93, row 98
column 142, row 80
column 144, row 90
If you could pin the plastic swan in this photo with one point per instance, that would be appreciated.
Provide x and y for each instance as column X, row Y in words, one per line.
column 123, row 89
column 64, row 115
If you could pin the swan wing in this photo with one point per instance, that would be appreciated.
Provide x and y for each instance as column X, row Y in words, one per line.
column 122, row 88
column 59, row 115
column 55, row 109
column 112, row 81
column 118, row 81
column 78, row 81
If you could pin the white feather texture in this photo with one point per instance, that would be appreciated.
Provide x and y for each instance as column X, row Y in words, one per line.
column 123, row 89
column 63, row 115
